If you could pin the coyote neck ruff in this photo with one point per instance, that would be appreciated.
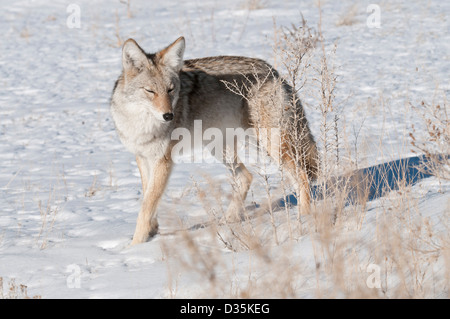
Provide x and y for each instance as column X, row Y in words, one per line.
column 157, row 93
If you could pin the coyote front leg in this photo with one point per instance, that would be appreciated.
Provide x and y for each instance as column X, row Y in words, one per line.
column 155, row 175
column 143, row 170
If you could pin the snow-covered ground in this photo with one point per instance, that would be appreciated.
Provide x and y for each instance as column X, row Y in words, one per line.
column 70, row 192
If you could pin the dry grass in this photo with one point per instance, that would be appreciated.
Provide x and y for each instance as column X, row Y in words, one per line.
column 50, row 208
column 128, row 4
column 48, row 213
column 344, row 243
column 348, row 16
column 15, row 291
column 119, row 39
column 25, row 33
column 435, row 144
column 253, row 4
column 94, row 188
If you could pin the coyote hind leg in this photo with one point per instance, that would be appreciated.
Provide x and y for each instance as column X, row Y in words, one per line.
column 297, row 175
column 242, row 180
column 299, row 179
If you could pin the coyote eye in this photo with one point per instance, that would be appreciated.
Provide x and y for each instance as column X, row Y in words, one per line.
column 149, row 91
column 170, row 90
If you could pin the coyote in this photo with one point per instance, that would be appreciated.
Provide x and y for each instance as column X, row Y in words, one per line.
column 157, row 93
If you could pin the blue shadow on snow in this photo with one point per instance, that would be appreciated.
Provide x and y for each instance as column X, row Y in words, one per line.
column 369, row 183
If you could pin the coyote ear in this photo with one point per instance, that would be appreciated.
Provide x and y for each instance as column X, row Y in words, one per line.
column 134, row 58
column 172, row 56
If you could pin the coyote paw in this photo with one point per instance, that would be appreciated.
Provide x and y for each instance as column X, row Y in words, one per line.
column 142, row 236
column 233, row 214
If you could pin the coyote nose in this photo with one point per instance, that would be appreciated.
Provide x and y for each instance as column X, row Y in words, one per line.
column 168, row 117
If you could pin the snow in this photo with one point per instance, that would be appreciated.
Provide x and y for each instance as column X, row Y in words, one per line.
column 70, row 192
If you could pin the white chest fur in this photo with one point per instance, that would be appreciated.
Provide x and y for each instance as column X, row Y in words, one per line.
column 140, row 132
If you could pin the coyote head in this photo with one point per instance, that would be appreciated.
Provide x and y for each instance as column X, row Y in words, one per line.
column 152, row 81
